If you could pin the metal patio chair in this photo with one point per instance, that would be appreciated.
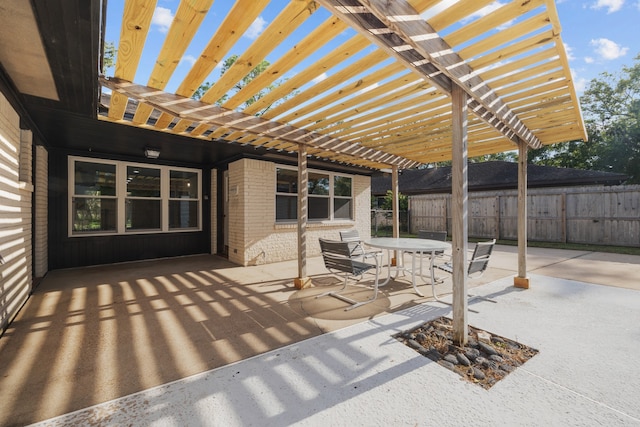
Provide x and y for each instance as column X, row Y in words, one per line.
column 432, row 235
column 339, row 260
column 357, row 247
column 476, row 268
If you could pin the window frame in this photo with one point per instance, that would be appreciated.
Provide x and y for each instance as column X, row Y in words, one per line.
column 121, row 197
column 331, row 196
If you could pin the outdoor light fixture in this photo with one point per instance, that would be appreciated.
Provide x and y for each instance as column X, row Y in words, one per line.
column 151, row 153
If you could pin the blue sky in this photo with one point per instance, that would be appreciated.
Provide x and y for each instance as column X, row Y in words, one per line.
column 599, row 35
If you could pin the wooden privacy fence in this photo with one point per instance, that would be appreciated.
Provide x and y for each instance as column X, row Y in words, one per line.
column 597, row 215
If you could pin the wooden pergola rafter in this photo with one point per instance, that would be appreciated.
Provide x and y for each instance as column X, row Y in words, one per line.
column 359, row 88
column 399, row 28
column 202, row 113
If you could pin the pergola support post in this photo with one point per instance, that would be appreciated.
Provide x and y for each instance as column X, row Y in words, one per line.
column 302, row 281
column 521, row 280
column 395, row 208
column 459, row 212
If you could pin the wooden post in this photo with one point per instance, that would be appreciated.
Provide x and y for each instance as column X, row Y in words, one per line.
column 302, row 281
column 459, row 214
column 395, row 208
column 521, row 280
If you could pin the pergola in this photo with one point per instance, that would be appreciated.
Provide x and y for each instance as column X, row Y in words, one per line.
column 372, row 83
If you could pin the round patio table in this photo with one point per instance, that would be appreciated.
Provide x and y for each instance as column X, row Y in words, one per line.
column 415, row 247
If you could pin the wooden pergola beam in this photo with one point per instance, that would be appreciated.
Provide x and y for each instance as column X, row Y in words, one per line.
column 400, row 30
column 213, row 115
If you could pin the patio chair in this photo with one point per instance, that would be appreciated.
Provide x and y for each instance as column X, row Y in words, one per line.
column 357, row 247
column 477, row 265
column 479, row 260
column 339, row 260
column 432, row 235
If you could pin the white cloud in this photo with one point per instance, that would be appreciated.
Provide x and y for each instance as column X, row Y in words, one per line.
column 256, row 28
column 580, row 83
column 438, row 8
column 162, row 17
column 189, row 59
column 320, row 78
column 444, row 4
column 367, row 89
column 610, row 5
column 569, row 50
column 608, row 49
column 485, row 10
column 589, row 60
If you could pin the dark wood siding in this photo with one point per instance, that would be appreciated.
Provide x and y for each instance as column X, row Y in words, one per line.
column 66, row 252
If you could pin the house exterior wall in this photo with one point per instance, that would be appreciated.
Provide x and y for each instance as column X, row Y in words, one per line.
column 254, row 236
column 41, row 237
column 16, row 189
column 213, row 199
column 69, row 252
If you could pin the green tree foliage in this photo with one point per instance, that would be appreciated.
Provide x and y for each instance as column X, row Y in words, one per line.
column 255, row 72
column 109, row 56
column 611, row 107
column 403, row 201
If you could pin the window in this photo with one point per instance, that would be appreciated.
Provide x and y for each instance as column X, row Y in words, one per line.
column 183, row 199
column 330, row 195
column 286, row 194
column 93, row 201
column 143, row 201
column 342, row 197
column 117, row 197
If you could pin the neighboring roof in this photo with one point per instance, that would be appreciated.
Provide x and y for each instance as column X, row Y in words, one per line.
column 491, row 176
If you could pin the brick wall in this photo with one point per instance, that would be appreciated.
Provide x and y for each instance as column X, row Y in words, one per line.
column 254, row 236
column 213, row 199
column 15, row 214
column 41, row 237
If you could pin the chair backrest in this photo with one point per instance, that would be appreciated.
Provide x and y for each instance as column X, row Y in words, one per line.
column 350, row 235
column 353, row 237
column 337, row 255
column 432, row 235
column 480, row 259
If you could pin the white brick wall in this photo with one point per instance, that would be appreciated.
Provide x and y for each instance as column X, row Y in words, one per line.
column 41, row 238
column 254, row 236
column 15, row 218
column 213, row 202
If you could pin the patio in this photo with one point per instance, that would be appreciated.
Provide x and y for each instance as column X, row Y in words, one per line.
column 165, row 335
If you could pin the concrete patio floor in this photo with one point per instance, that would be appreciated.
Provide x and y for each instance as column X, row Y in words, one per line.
column 200, row 341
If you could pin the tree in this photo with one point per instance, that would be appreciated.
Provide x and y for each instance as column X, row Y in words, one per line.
column 403, row 201
column 109, row 56
column 611, row 106
column 255, row 72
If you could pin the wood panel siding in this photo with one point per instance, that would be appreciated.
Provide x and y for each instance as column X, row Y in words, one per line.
column 66, row 252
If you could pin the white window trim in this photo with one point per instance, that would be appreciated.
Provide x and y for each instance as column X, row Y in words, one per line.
column 121, row 197
column 331, row 196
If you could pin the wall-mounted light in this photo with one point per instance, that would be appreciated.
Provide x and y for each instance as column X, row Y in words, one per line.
column 151, row 153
